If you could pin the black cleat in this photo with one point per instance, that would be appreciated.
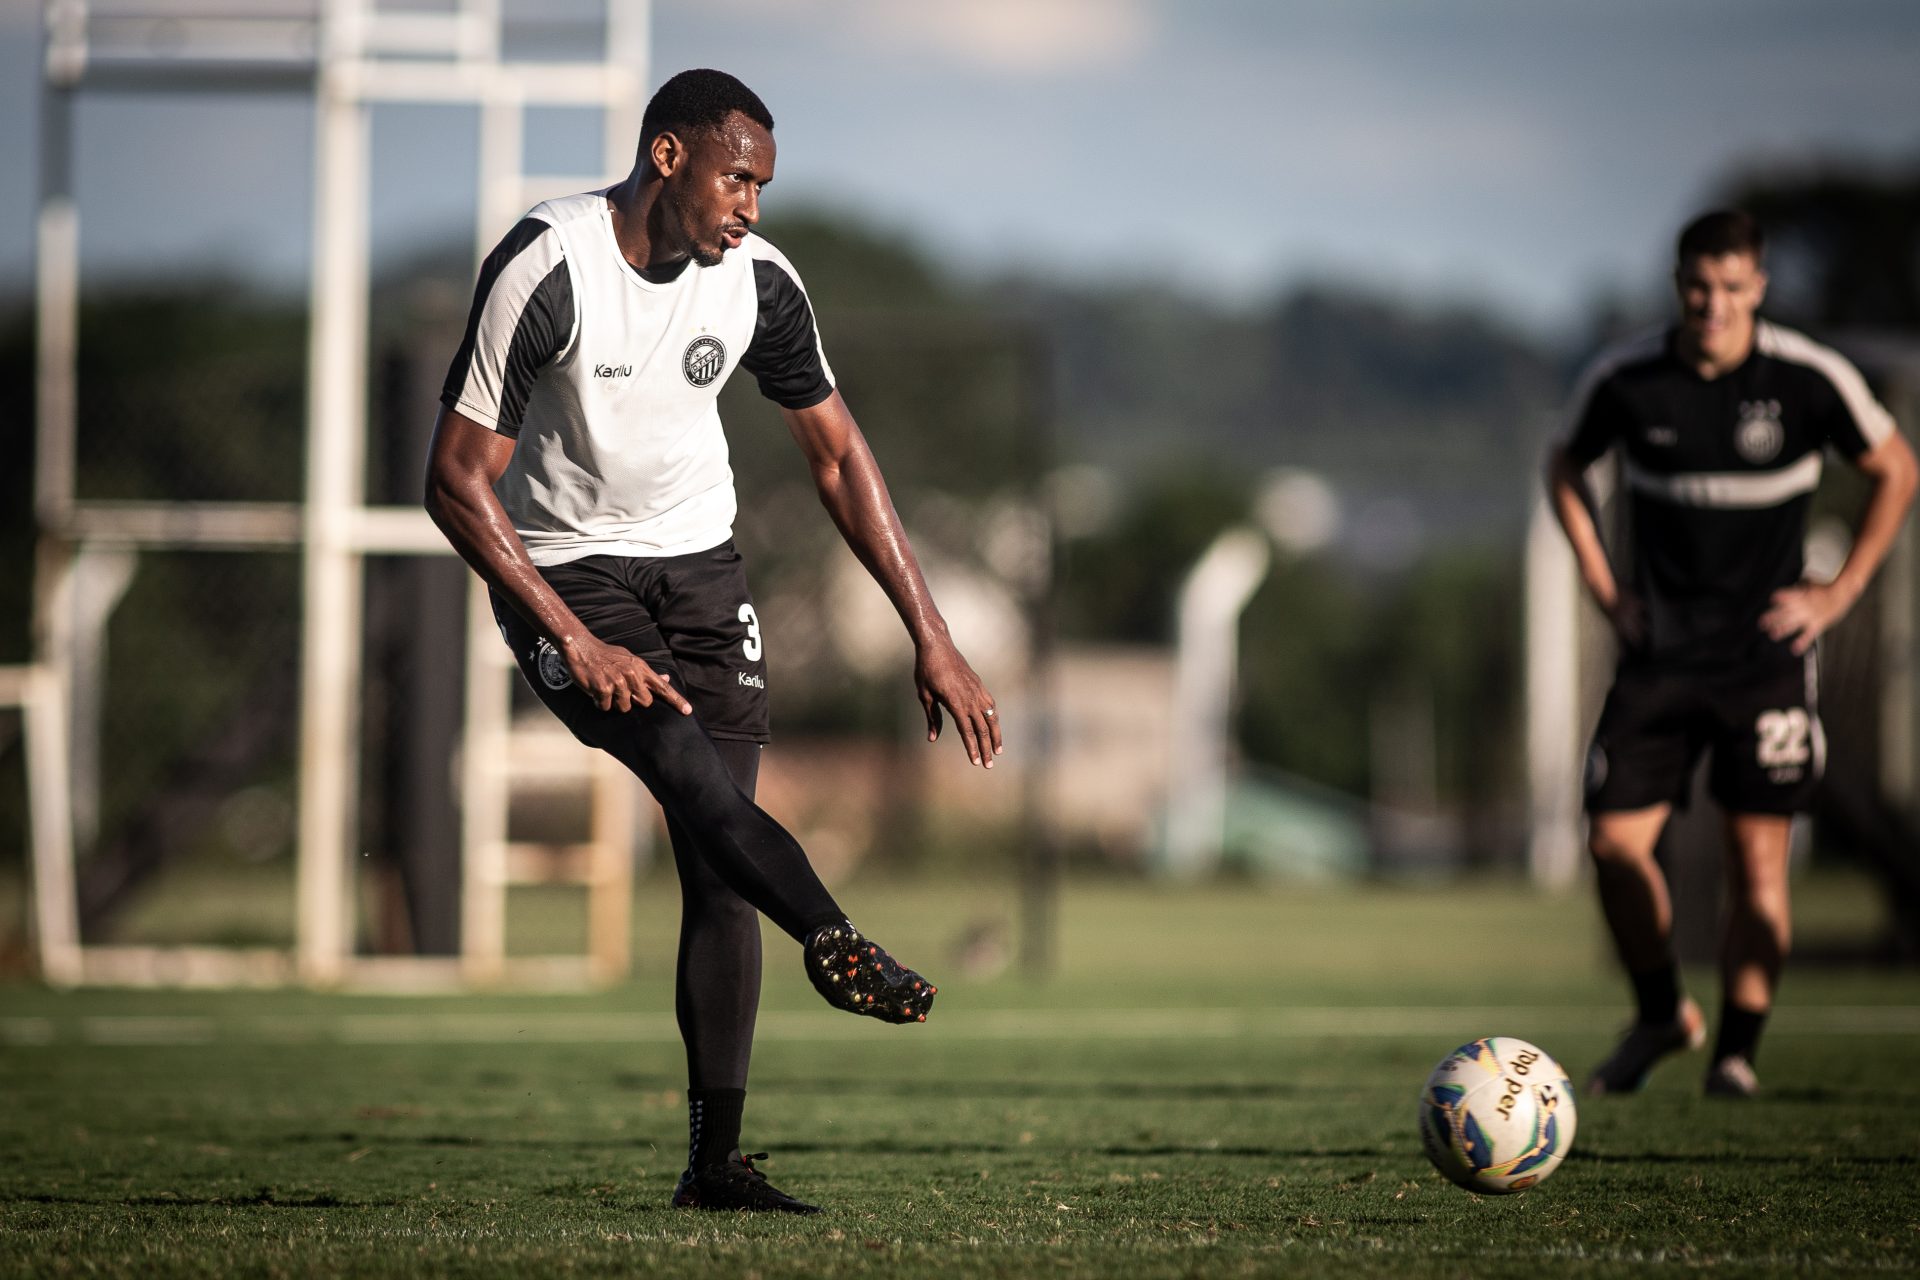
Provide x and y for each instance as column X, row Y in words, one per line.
column 1643, row 1045
column 857, row 974
column 735, row 1186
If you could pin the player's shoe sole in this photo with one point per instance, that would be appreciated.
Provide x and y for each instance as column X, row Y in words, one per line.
column 735, row 1187
column 1732, row 1077
column 1627, row 1067
column 854, row 973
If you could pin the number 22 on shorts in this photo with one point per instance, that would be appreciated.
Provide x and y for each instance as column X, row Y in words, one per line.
column 1781, row 738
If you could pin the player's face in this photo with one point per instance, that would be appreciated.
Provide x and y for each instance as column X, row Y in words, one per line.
column 1718, row 298
column 713, row 195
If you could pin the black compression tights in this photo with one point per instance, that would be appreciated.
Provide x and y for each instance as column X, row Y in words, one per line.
column 716, row 986
column 733, row 859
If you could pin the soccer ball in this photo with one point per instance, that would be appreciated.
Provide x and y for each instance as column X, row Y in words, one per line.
column 1497, row 1115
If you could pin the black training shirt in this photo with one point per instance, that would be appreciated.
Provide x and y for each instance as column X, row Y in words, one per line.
column 1720, row 475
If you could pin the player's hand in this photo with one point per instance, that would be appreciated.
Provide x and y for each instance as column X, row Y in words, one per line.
column 1803, row 614
column 1629, row 618
column 944, row 679
column 618, row 680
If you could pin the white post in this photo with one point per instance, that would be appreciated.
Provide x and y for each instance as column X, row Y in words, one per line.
column 45, row 704
column 99, row 580
column 1554, row 761
column 629, row 25
column 1898, row 699
column 56, row 911
column 56, row 337
column 336, row 406
column 1211, row 599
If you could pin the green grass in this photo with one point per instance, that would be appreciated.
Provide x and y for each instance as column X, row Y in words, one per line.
column 1219, row 1082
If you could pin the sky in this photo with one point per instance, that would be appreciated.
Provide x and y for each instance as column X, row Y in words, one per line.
column 1527, row 155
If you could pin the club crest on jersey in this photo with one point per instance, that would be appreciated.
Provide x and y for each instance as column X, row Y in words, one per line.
column 1759, row 436
column 705, row 357
column 553, row 667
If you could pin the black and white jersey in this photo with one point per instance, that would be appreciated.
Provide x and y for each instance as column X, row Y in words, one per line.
column 1720, row 475
column 610, row 381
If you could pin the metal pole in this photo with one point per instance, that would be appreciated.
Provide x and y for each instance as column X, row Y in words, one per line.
column 1040, row 868
column 336, row 406
column 47, row 706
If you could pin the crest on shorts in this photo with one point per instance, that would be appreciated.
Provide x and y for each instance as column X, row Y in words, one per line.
column 553, row 667
column 705, row 356
column 1759, row 436
column 1596, row 771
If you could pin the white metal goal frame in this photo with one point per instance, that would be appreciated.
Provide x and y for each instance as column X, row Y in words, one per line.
column 347, row 55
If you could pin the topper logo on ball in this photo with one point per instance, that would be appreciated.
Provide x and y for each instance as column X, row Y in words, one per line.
column 705, row 357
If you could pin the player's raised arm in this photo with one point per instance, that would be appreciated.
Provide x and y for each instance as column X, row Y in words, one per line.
column 855, row 495
column 464, row 463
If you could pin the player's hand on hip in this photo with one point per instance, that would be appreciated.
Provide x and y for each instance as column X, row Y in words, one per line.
column 944, row 679
column 618, row 680
column 1803, row 614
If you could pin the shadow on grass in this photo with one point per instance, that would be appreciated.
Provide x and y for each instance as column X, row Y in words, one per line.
column 919, row 1087
column 1810, row 1159
column 264, row 1198
column 877, row 1147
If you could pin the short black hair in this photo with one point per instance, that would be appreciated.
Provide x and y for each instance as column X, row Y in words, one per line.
column 1724, row 231
column 700, row 99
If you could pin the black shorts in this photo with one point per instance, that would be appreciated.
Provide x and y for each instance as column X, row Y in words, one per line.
column 689, row 616
column 1761, row 721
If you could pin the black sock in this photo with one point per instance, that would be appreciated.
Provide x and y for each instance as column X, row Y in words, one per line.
column 1739, row 1033
column 1657, row 992
column 713, row 1125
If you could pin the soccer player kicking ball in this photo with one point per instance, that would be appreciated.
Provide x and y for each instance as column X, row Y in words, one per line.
column 1722, row 421
column 579, row 466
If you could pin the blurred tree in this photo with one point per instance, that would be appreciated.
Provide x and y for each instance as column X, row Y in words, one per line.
column 1119, row 586
column 1843, row 243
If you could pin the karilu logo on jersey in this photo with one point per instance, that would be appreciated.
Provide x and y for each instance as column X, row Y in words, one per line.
column 1759, row 435
column 704, row 359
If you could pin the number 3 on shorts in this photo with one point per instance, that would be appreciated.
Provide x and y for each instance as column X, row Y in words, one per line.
column 751, row 645
column 1782, row 738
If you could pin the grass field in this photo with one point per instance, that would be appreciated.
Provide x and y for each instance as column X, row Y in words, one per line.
column 1219, row 1082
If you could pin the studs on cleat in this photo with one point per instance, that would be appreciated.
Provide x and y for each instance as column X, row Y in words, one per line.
column 860, row 977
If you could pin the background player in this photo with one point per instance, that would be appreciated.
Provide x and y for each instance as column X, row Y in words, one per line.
column 579, row 466
column 1722, row 421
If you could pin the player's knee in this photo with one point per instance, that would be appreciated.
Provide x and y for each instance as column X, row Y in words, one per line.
column 1765, row 908
column 1611, row 852
column 723, row 913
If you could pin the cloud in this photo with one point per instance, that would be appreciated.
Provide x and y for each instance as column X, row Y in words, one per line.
column 1028, row 38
